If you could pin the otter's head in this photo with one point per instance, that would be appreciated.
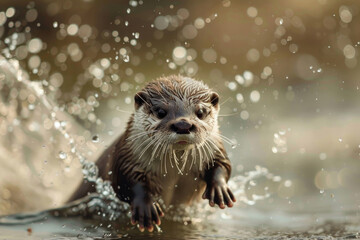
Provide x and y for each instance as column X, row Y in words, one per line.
column 178, row 110
column 176, row 113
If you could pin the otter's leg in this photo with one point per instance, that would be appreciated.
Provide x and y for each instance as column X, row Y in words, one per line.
column 217, row 190
column 137, row 188
column 143, row 209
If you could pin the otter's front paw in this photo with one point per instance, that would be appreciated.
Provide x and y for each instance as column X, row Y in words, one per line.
column 219, row 193
column 145, row 214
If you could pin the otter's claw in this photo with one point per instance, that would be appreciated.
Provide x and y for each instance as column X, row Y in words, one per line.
column 219, row 193
column 145, row 214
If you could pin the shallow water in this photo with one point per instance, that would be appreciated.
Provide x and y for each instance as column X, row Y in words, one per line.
column 75, row 221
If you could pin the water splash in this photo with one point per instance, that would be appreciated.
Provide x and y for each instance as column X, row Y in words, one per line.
column 280, row 142
column 14, row 76
column 239, row 184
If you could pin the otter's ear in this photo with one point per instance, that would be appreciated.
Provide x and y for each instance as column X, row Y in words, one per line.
column 214, row 99
column 140, row 98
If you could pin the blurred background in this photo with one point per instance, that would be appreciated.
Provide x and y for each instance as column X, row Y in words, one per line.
column 287, row 73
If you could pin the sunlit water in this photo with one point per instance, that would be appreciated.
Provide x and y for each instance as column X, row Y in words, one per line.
column 50, row 136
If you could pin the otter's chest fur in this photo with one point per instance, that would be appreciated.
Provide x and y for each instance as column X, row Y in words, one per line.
column 182, row 179
column 182, row 188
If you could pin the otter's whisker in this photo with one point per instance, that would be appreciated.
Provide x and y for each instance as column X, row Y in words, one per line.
column 193, row 153
column 205, row 156
column 225, row 101
column 163, row 153
column 153, row 139
column 121, row 110
column 170, row 156
column 226, row 139
column 168, row 152
column 161, row 157
column 209, row 149
column 143, row 99
column 201, row 149
column 184, row 157
column 228, row 115
column 141, row 144
column 206, row 153
column 200, row 157
column 177, row 162
column 216, row 147
column 141, row 134
column 216, row 134
column 212, row 152
column 153, row 154
column 137, row 134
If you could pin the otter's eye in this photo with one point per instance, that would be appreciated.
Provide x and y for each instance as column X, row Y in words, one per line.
column 160, row 113
column 201, row 113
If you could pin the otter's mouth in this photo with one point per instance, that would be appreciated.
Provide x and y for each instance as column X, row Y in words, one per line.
column 182, row 144
column 182, row 141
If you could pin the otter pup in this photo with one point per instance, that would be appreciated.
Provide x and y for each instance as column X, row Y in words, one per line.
column 171, row 148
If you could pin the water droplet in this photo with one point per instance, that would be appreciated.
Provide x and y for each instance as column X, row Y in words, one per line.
column 57, row 124
column 287, row 183
column 126, row 58
column 90, row 171
column 322, row 156
column 62, row 155
column 95, row 138
column 252, row 183
column 277, row 179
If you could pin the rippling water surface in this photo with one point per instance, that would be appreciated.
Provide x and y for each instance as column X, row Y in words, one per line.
column 77, row 221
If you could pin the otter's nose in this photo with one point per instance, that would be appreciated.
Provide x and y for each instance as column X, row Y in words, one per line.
column 182, row 127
